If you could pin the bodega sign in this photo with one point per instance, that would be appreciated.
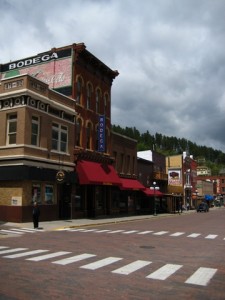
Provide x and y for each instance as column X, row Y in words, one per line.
column 41, row 58
column 33, row 61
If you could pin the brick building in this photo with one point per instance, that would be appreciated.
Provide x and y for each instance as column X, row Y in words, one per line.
column 77, row 74
column 36, row 144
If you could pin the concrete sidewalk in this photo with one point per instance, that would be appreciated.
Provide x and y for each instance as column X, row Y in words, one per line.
column 60, row 224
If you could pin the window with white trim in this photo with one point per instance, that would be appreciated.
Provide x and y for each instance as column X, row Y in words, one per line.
column 11, row 129
column 35, row 131
column 59, row 137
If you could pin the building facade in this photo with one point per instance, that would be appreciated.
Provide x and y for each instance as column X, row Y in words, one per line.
column 36, row 148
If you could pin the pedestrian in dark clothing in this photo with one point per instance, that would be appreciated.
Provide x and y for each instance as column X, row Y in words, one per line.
column 36, row 214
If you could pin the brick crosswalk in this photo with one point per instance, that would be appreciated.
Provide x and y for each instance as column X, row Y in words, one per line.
column 200, row 277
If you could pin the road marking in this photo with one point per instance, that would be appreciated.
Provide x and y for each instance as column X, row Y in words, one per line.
column 116, row 231
column 12, row 231
column 211, row 236
column 101, row 263
column 25, row 253
column 90, row 230
column 3, row 247
column 202, row 276
column 76, row 229
column 129, row 232
column 145, row 232
column 164, row 272
column 160, row 232
column 23, row 230
column 194, row 235
column 47, row 256
column 132, row 267
column 100, row 231
column 73, row 259
column 177, row 234
column 12, row 250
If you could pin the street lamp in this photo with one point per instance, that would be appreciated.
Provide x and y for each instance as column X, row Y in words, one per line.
column 154, row 187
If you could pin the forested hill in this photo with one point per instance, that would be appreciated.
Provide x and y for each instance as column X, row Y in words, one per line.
column 171, row 145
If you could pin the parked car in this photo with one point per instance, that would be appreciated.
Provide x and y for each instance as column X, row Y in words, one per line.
column 203, row 207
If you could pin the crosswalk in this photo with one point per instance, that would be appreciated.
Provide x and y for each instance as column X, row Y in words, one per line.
column 199, row 277
column 145, row 232
column 19, row 231
column 22, row 231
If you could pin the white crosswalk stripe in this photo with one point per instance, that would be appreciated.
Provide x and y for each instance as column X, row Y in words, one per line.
column 12, row 250
column 12, row 231
column 3, row 247
column 101, row 263
column 164, row 272
column 202, row 276
column 73, row 259
column 100, row 231
column 48, row 256
column 211, row 236
column 130, row 268
column 194, row 235
column 25, row 254
column 130, row 231
column 145, row 232
column 160, row 232
column 177, row 234
column 116, row 231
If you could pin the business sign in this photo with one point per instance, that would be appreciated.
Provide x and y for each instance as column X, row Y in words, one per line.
column 54, row 68
column 174, row 177
column 101, row 134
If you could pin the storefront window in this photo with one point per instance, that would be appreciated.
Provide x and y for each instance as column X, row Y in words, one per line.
column 49, row 194
column 36, row 193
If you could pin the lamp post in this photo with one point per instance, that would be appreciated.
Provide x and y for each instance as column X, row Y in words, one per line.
column 154, row 187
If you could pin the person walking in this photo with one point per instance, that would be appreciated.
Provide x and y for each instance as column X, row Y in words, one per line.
column 36, row 215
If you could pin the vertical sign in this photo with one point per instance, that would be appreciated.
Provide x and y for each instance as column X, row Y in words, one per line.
column 101, row 134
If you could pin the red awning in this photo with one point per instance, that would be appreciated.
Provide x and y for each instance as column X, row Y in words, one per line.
column 95, row 173
column 131, row 184
column 149, row 192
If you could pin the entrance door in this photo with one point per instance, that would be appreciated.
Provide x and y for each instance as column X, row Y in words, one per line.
column 64, row 196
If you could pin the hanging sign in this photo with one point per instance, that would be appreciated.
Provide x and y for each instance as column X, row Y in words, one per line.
column 101, row 134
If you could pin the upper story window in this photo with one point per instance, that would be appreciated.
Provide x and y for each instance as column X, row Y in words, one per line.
column 59, row 137
column 105, row 104
column 78, row 132
column 79, row 90
column 11, row 129
column 35, row 131
column 89, row 93
column 98, row 95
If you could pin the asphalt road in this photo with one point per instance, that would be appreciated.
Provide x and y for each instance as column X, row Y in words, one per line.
column 172, row 257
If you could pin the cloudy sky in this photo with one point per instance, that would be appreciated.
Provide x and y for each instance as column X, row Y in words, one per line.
column 169, row 53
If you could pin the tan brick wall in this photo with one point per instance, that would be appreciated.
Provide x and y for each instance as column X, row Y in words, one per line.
column 9, row 190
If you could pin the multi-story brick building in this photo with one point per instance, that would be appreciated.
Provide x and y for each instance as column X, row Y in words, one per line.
column 36, row 144
column 74, row 72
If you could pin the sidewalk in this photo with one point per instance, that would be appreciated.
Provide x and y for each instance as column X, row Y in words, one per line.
column 60, row 224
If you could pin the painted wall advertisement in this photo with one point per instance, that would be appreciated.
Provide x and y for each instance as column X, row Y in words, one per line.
column 54, row 68
column 174, row 177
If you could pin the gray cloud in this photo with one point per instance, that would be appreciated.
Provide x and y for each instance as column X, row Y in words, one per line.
column 169, row 54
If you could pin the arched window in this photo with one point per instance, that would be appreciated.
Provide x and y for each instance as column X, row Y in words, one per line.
column 78, row 132
column 89, row 93
column 105, row 104
column 79, row 90
column 98, row 98
column 88, row 136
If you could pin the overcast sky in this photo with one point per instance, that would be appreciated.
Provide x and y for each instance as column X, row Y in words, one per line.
column 169, row 53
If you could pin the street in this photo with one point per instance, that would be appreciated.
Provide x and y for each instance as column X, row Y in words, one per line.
column 165, row 257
